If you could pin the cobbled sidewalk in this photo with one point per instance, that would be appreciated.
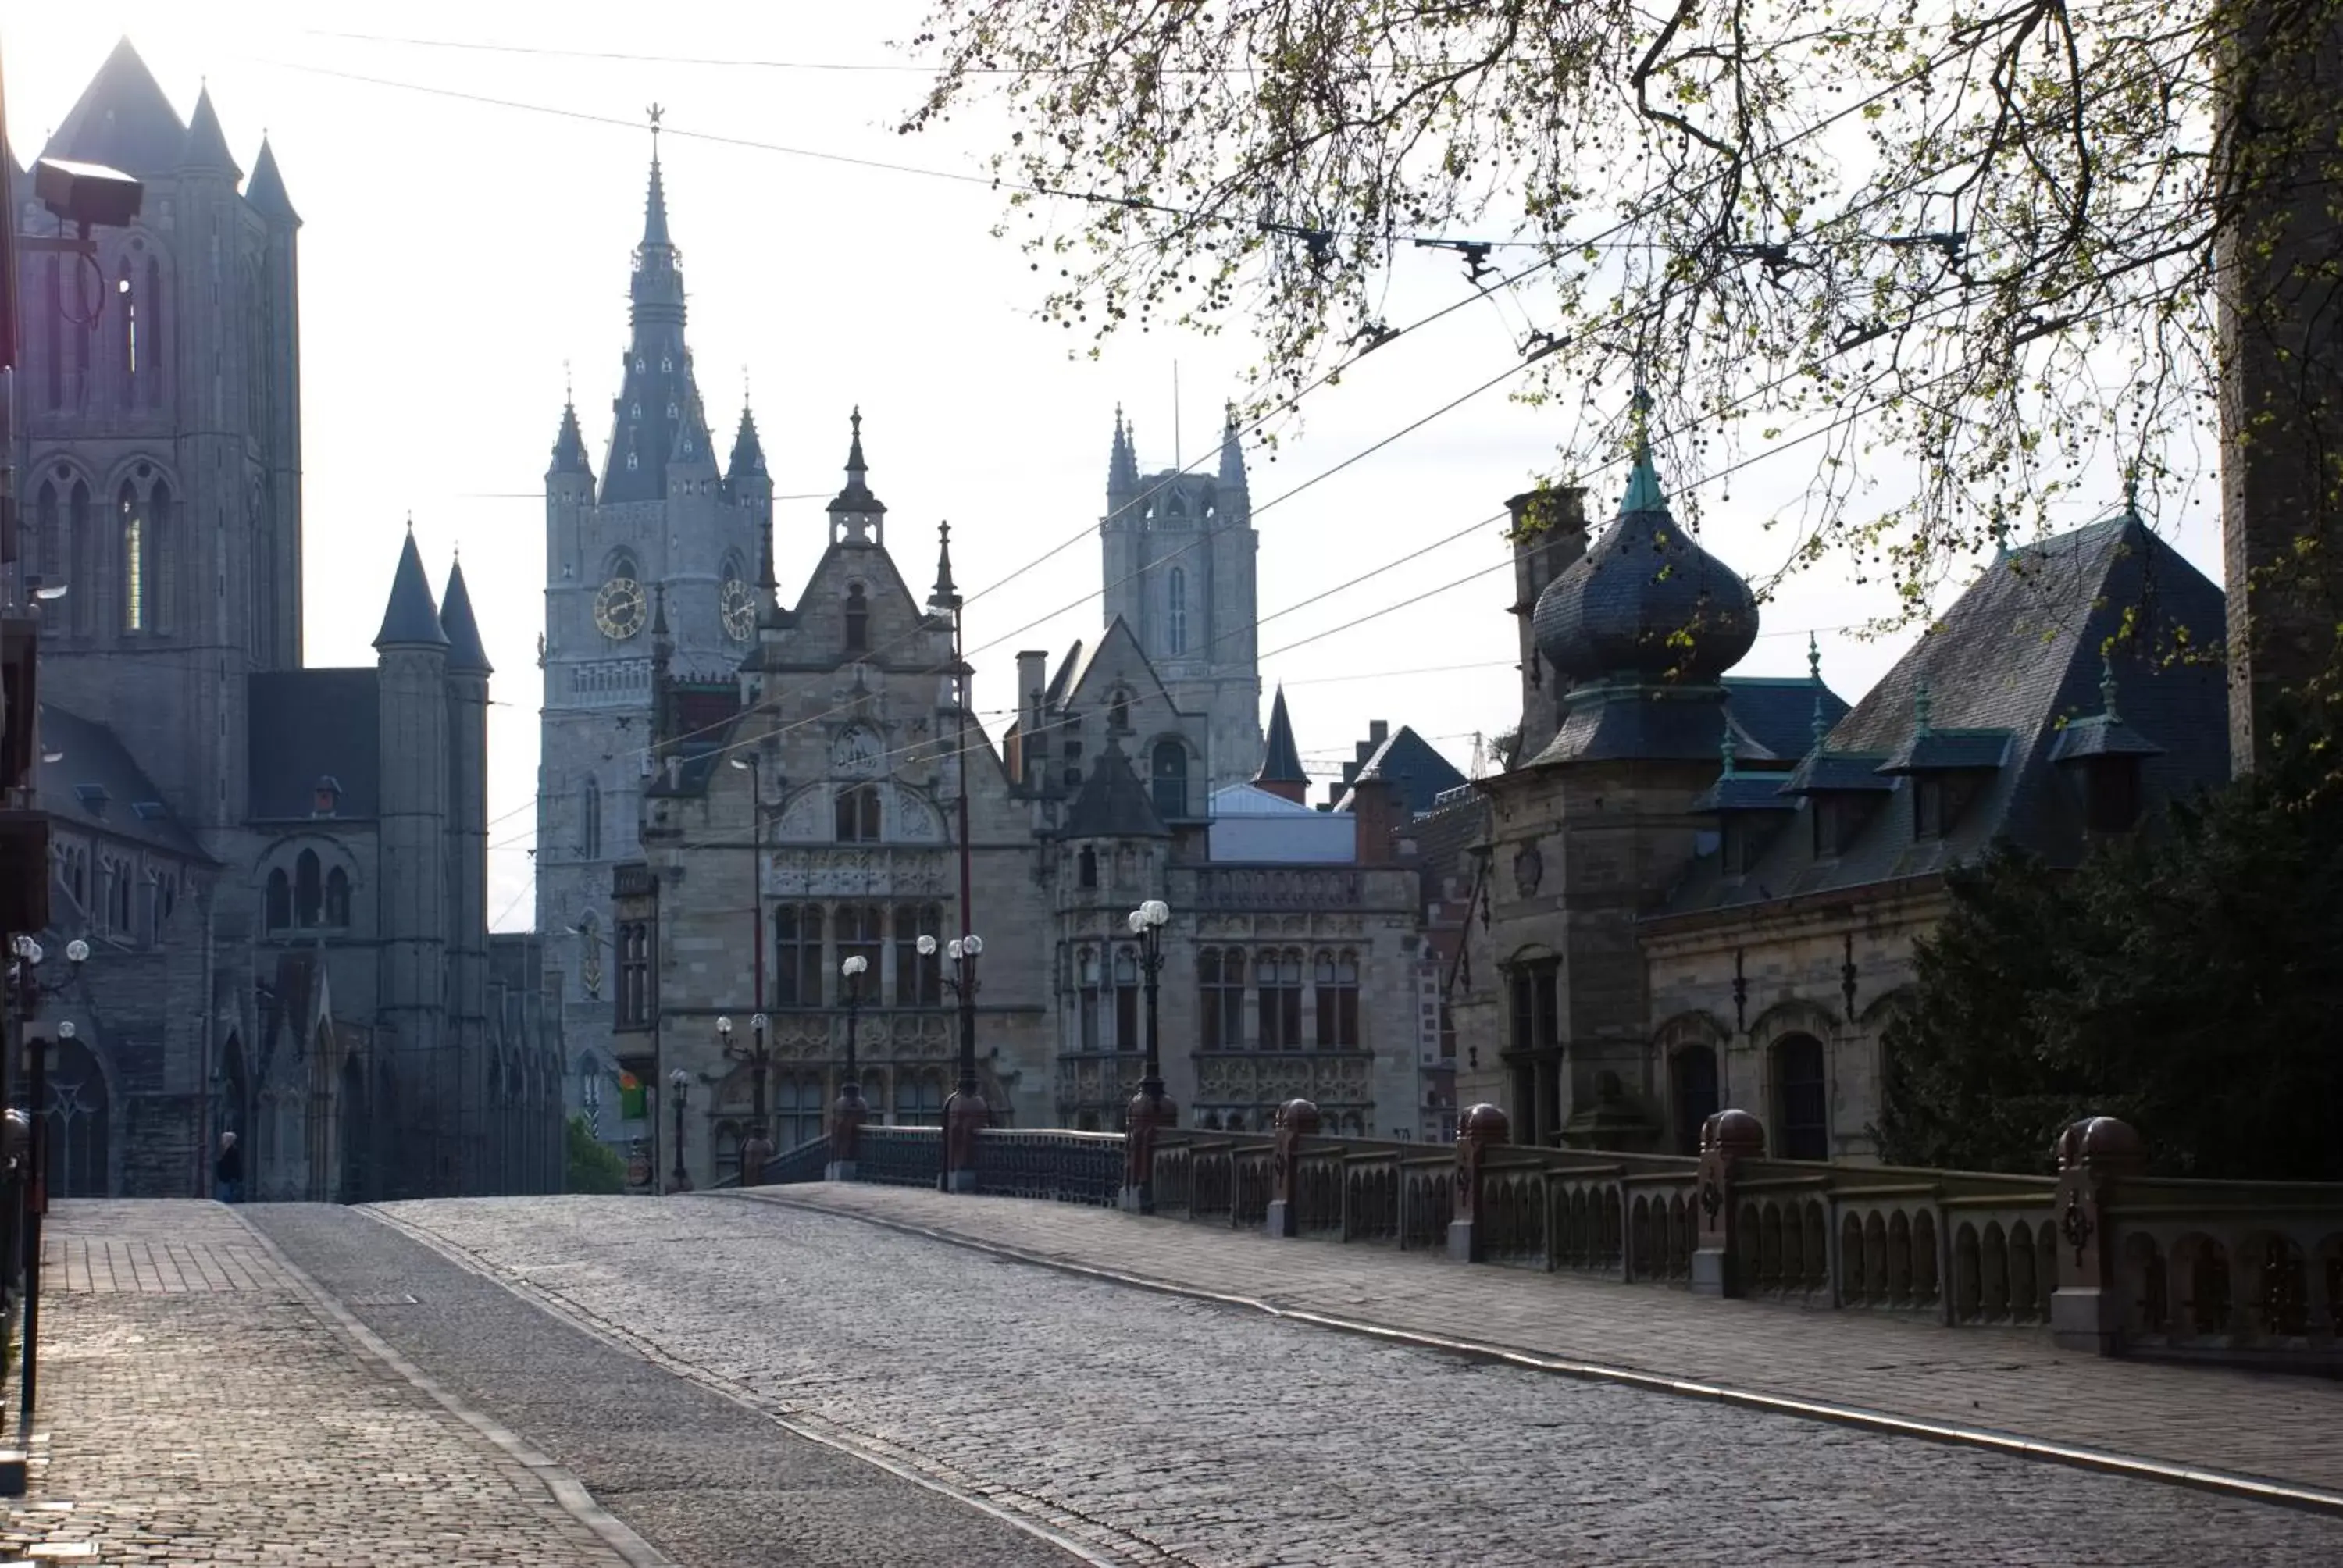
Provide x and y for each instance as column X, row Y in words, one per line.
column 203, row 1409
column 2273, row 1426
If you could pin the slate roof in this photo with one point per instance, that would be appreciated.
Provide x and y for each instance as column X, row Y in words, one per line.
column 308, row 724
column 1416, row 772
column 857, row 496
column 2019, row 652
column 95, row 783
column 465, row 656
column 411, row 618
column 1113, row 804
column 1778, row 711
column 570, row 444
column 658, row 372
column 1613, row 720
column 206, row 145
column 266, row 189
column 1281, row 761
column 1950, row 751
column 122, row 120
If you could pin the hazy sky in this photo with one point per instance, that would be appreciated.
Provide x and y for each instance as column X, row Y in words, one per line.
column 459, row 252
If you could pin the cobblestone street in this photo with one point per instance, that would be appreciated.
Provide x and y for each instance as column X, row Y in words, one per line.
column 1159, row 1429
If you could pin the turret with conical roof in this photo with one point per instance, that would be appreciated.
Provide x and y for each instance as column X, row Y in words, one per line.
column 411, row 618
column 206, row 151
column 1281, row 767
column 416, row 782
column 465, row 654
column 1122, row 467
column 658, row 419
column 266, row 189
column 468, row 849
column 122, row 120
column 748, row 451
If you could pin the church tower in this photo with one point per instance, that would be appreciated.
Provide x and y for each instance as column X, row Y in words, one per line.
column 661, row 522
column 1178, row 553
column 159, row 413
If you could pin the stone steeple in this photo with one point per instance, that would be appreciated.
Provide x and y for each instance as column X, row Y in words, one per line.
column 659, row 418
column 945, row 597
column 1281, row 767
column 856, row 516
column 569, row 446
column 206, row 146
column 1122, row 467
column 466, row 655
column 266, row 189
column 411, row 619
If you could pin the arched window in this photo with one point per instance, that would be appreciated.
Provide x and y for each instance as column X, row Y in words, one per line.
column 308, row 888
column 1798, row 1067
column 162, row 552
column 1086, row 980
column 1117, row 713
column 1086, row 868
column 42, row 556
column 862, row 932
column 338, row 897
column 589, row 821
column 56, row 318
column 82, row 574
column 1126, row 999
column 133, row 522
column 1175, row 621
column 128, row 318
column 1692, row 1075
column 858, row 620
column 150, row 326
column 1171, row 779
column 858, row 815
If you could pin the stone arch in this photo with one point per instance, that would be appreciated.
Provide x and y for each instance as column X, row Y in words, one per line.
column 2200, row 1268
column 1690, row 1047
column 77, row 1105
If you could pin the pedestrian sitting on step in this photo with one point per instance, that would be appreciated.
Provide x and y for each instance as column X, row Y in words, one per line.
column 227, row 1171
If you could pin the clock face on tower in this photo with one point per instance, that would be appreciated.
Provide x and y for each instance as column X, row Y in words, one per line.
column 738, row 605
column 618, row 608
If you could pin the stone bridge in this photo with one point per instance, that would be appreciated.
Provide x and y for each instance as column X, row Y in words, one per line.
column 1266, row 1370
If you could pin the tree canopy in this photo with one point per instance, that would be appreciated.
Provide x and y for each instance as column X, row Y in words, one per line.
column 2186, row 983
column 1984, row 237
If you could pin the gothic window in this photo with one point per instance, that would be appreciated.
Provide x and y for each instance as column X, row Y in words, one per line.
column 338, row 897
column 858, row 620
column 919, row 1100
column 1175, row 623
column 83, row 544
column 797, row 955
column 42, row 556
column 308, row 888
column 862, row 932
column 1086, row 978
column 1278, row 975
column 799, row 1104
column 858, row 815
column 118, row 902
column 631, row 463
column 1692, row 1077
column 56, row 318
column 919, row 982
column 1336, row 978
column 635, row 997
column 1798, row 1068
column 1086, row 868
column 151, row 331
column 1171, row 779
column 589, row 821
column 132, row 509
column 128, row 318
column 1118, row 716
column 161, row 564
column 1220, row 971
column 1535, row 1023
column 1126, row 999
column 672, row 411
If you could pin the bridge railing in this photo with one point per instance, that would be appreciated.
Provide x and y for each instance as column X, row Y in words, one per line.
column 2102, row 1255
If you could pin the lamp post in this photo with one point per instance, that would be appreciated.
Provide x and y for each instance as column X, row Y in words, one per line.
column 679, row 1083
column 1150, row 1108
column 31, row 1180
column 965, row 1114
column 747, row 761
column 758, row 1146
column 847, row 1116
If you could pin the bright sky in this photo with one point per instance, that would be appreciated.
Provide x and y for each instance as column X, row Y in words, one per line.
column 457, row 252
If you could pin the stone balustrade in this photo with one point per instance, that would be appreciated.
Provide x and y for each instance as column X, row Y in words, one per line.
column 2103, row 1256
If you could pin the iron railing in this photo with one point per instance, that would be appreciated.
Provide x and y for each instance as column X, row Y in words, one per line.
column 1064, row 1166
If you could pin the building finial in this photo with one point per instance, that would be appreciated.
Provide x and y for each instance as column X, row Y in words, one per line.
column 1643, row 493
column 1922, row 705
column 2000, row 531
column 748, row 394
column 2108, row 684
column 946, row 593
column 656, row 113
column 568, row 386
column 2131, row 491
column 1817, row 728
column 1725, row 748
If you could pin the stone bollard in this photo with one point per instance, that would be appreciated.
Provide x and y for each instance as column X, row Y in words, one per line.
column 1296, row 1119
column 847, row 1114
column 1726, row 1139
column 1479, row 1129
column 2087, row 1309
column 1151, row 1112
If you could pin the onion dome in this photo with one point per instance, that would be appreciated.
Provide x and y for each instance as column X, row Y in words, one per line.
column 1645, row 602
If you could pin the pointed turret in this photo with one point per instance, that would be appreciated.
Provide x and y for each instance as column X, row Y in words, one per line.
column 945, row 597
column 1280, row 765
column 856, row 511
column 1643, row 492
column 412, row 619
column 1122, row 467
column 655, row 202
column 1233, row 467
column 122, row 120
column 660, row 418
column 569, row 446
column 465, row 656
column 265, row 190
column 206, row 144
column 748, row 451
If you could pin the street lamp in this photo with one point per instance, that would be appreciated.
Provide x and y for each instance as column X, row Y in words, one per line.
column 758, row 1146
column 680, row 1083
column 27, row 990
column 847, row 1116
column 748, row 763
column 1150, row 1108
column 965, row 1114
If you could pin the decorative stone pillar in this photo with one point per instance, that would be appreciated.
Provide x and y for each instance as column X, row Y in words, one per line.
column 1296, row 1119
column 1479, row 1129
column 2087, row 1309
column 1726, row 1139
column 1151, row 1110
column 847, row 1114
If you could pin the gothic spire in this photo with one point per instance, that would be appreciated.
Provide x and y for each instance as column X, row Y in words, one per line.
column 570, row 444
column 946, row 596
column 266, row 189
column 1817, row 727
column 1232, row 467
column 206, row 148
column 748, row 451
column 855, row 507
column 465, row 654
column 411, row 620
column 1281, row 759
column 1121, row 465
column 1643, row 492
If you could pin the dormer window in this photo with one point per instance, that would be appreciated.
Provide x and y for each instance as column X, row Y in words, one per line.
column 2111, row 794
column 1927, row 808
column 1833, row 825
column 858, row 620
